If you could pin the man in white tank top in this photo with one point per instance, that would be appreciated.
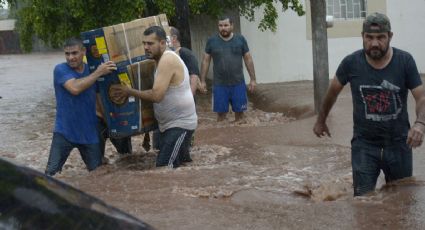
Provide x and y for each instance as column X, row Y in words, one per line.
column 174, row 105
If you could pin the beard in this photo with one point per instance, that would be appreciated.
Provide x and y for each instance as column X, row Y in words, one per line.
column 376, row 53
column 225, row 34
column 154, row 54
column 150, row 55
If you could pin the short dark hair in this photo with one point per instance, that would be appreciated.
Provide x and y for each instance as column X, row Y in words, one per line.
column 224, row 17
column 157, row 30
column 73, row 41
column 175, row 32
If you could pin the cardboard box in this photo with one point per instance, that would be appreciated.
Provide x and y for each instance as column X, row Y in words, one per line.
column 125, row 41
column 142, row 76
column 123, row 44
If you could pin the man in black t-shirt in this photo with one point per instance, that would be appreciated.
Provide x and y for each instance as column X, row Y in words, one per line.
column 380, row 77
column 188, row 58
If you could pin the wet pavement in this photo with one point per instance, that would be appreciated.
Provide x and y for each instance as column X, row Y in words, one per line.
column 269, row 172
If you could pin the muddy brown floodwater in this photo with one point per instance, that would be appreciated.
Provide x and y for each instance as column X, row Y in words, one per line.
column 269, row 172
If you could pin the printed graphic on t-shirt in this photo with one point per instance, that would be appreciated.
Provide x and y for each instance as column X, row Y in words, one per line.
column 382, row 103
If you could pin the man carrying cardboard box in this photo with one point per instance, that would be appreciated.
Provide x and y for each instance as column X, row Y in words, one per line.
column 75, row 123
column 174, row 105
column 191, row 63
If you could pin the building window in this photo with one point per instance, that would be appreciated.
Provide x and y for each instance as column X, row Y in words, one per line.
column 348, row 16
column 346, row 9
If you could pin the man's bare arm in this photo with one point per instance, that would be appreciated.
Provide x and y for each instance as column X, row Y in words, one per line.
column 249, row 64
column 419, row 95
column 320, row 128
column 416, row 132
column 77, row 86
column 167, row 67
column 194, row 80
column 205, row 65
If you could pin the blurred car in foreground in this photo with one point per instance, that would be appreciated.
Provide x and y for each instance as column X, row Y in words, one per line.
column 31, row 200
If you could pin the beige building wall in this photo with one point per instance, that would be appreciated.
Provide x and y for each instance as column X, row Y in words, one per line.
column 287, row 54
column 282, row 56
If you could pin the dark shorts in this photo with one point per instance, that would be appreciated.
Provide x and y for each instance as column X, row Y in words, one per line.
column 123, row 145
column 368, row 160
column 235, row 95
column 174, row 147
column 61, row 148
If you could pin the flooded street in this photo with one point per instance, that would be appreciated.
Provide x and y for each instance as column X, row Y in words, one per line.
column 269, row 172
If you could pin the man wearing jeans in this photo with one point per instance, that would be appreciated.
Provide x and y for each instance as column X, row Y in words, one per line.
column 174, row 105
column 380, row 77
column 75, row 124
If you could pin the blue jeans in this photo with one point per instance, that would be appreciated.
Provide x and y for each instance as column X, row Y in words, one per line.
column 61, row 148
column 368, row 160
column 174, row 147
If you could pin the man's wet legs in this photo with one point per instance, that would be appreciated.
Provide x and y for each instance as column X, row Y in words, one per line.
column 221, row 117
column 239, row 116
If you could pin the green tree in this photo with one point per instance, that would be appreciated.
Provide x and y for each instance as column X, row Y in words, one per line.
column 247, row 9
column 54, row 20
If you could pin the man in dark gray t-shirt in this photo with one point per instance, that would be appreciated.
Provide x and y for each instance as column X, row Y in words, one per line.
column 188, row 58
column 380, row 77
column 227, row 51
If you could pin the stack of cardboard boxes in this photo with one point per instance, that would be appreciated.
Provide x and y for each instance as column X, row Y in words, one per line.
column 122, row 44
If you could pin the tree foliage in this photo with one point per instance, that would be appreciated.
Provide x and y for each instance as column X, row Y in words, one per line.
column 54, row 20
column 247, row 9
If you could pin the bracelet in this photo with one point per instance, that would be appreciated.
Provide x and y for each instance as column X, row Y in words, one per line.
column 420, row 122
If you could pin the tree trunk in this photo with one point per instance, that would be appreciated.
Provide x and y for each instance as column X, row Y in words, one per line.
column 182, row 22
column 320, row 51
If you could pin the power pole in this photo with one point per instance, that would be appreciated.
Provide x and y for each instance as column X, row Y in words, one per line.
column 182, row 22
column 320, row 51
